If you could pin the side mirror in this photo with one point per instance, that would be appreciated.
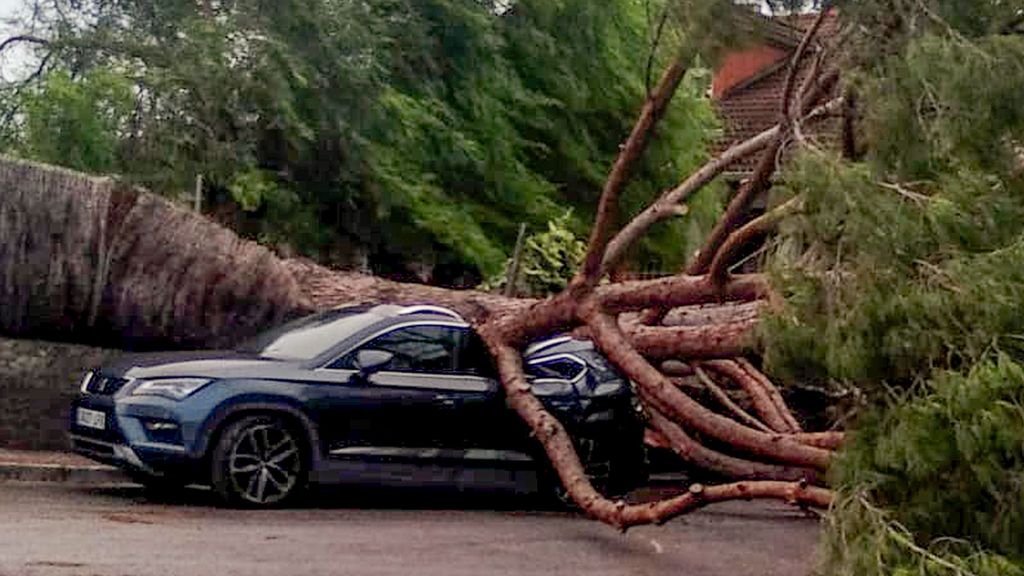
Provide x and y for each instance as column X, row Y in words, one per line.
column 371, row 361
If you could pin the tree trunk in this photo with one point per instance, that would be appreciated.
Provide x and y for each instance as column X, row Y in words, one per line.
column 90, row 259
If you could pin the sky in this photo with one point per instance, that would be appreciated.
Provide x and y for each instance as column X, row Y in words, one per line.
column 7, row 6
column 14, row 62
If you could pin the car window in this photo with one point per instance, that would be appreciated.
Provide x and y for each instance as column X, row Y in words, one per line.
column 422, row 348
column 309, row 337
column 474, row 358
column 560, row 368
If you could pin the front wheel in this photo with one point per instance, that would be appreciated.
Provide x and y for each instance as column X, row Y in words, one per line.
column 258, row 462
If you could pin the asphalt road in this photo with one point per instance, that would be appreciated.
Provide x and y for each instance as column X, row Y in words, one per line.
column 54, row 529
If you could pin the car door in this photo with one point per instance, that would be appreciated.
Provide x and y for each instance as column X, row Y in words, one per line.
column 421, row 397
column 485, row 421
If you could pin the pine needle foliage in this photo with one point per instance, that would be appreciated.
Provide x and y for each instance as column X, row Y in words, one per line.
column 903, row 280
column 933, row 485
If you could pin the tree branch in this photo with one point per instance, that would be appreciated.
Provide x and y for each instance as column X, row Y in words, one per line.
column 28, row 38
column 679, row 290
column 701, row 456
column 562, row 454
column 718, row 341
column 724, row 399
column 759, row 397
column 718, row 271
column 659, row 392
column 654, row 108
column 797, row 60
column 699, row 496
column 667, row 206
column 773, row 393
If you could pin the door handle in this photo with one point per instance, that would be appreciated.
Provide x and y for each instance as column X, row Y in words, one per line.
column 444, row 400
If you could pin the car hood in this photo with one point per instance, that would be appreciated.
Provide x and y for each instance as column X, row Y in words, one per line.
column 207, row 364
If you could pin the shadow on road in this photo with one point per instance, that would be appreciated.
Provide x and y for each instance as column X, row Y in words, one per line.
column 446, row 499
column 350, row 498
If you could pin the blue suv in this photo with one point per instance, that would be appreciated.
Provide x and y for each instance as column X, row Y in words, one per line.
column 380, row 395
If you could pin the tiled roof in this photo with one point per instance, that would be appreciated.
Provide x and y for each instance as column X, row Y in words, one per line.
column 753, row 105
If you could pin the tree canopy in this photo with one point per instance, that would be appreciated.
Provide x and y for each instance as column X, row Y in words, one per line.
column 415, row 129
column 902, row 289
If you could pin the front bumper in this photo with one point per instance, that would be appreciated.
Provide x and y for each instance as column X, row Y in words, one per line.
column 124, row 441
column 120, row 455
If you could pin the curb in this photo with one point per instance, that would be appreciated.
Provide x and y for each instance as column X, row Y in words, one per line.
column 18, row 472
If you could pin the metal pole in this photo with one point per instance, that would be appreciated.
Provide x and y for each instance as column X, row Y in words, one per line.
column 199, row 193
column 517, row 256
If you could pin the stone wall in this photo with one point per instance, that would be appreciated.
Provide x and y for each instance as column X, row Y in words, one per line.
column 37, row 382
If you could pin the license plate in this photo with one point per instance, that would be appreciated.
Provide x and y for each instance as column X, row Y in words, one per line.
column 91, row 418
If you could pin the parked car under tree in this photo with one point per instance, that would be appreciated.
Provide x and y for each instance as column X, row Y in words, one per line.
column 381, row 395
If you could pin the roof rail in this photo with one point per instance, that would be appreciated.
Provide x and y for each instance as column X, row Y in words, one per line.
column 426, row 309
column 544, row 344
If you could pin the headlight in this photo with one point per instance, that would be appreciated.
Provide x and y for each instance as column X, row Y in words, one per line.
column 173, row 388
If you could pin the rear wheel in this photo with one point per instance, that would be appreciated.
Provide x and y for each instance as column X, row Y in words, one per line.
column 613, row 469
column 259, row 461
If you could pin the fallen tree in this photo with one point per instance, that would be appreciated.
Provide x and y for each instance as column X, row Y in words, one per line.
column 93, row 260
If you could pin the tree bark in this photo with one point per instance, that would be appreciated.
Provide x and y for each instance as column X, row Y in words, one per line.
column 632, row 151
column 762, row 401
column 704, row 458
column 655, row 389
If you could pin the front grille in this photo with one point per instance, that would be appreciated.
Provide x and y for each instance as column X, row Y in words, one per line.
column 106, row 385
column 94, row 448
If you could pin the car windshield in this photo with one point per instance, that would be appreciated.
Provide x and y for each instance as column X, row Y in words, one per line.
column 311, row 336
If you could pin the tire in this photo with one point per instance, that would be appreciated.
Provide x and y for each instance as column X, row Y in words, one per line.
column 259, row 462
column 613, row 472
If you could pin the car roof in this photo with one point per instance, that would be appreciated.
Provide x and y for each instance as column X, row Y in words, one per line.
column 391, row 314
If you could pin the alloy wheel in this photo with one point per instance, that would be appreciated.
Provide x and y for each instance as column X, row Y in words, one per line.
column 264, row 464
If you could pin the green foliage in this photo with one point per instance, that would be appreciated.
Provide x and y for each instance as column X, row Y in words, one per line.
column 903, row 279
column 77, row 123
column 549, row 260
column 946, row 465
column 931, row 118
column 885, row 288
column 252, row 189
column 417, row 125
column 908, row 262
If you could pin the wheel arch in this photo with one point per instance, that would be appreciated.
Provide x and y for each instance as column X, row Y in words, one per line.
column 292, row 415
